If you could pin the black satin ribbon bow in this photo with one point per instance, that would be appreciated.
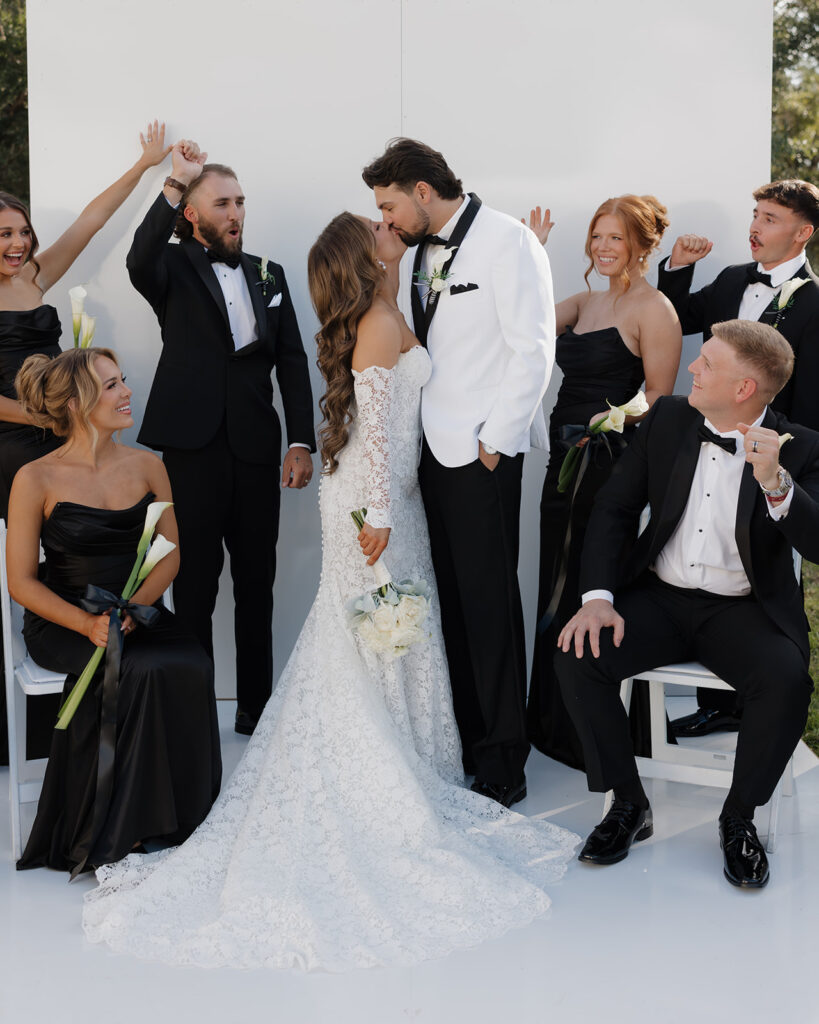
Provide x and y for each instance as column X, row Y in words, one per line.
column 215, row 257
column 728, row 444
column 754, row 275
column 570, row 435
column 435, row 240
column 97, row 601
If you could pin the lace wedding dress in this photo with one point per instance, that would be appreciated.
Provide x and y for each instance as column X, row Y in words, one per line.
column 345, row 837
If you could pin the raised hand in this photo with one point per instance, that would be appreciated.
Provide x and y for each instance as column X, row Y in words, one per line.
column 187, row 161
column 762, row 451
column 688, row 249
column 153, row 145
column 540, row 223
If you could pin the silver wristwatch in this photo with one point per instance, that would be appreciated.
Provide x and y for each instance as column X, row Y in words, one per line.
column 489, row 449
column 785, row 484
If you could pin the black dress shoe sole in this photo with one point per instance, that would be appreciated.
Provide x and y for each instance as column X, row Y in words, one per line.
column 726, row 723
column 746, row 883
column 244, row 730
column 514, row 798
column 646, row 832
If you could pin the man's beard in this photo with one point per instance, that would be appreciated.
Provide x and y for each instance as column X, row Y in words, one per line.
column 419, row 231
column 216, row 243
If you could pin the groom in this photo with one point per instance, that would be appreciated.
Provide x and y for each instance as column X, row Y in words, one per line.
column 479, row 289
column 227, row 321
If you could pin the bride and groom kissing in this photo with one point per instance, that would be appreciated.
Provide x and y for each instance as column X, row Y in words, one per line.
column 346, row 836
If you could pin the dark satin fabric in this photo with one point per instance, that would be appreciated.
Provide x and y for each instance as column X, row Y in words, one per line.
column 24, row 333
column 168, row 763
column 597, row 367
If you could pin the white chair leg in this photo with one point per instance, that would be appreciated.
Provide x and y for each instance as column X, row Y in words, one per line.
column 787, row 779
column 17, row 767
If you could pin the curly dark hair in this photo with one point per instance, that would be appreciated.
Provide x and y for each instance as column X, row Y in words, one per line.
column 344, row 277
column 800, row 196
column 405, row 162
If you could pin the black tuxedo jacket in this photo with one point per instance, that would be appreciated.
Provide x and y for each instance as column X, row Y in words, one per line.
column 699, row 311
column 657, row 469
column 200, row 379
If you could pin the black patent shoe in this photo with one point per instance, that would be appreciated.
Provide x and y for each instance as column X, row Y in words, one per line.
column 245, row 723
column 703, row 722
column 746, row 865
column 610, row 841
column 506, row 795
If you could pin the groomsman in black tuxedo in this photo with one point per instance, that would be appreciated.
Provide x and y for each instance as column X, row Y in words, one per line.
column 477, row 288
column 710, row 579
column 227, row 322
column 784, row 219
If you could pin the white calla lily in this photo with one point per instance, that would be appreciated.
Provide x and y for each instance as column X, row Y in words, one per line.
column 614, row 421
column 784, row 437
column 156, row 552
column 77, row 294
column 788, row 289
column 88, row 325
column 440, row 258
column 636, row 406
column 153, row 514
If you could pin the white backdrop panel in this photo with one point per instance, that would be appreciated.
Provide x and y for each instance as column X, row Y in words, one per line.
column 531, row 101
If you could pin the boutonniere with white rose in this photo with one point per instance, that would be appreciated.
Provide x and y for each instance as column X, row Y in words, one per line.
column 83, row 324
column 614, row 421
column 266, row 279
column 439, row 279
column 785, row 299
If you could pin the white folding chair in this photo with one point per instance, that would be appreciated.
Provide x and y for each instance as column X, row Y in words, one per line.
column 24, row 677
column 686, row 762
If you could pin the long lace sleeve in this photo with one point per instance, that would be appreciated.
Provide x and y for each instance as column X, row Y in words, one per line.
column 373, row 397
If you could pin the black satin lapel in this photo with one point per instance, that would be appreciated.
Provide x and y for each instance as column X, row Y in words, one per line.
column 679, row 486
column 457, row 237
column 749, row 495
column 418, row 323
column 257, row 297
column 204, row 268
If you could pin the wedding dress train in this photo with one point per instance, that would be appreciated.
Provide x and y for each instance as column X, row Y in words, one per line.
column 345, row 837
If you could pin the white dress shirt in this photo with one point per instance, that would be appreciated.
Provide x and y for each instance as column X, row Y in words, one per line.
column 702, row 553
column 239, row 305
column 757, row 296
column 432, row 249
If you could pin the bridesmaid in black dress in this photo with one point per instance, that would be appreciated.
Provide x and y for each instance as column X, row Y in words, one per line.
column 140, row 759
column 28, row 326
column 608, row 343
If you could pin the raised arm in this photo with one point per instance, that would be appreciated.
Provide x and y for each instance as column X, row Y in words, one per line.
column 57, row 258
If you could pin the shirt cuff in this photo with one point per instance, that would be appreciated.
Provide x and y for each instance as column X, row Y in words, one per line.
column 173, row 206
column 597, row 595
column 780, row 509
column 299, row 444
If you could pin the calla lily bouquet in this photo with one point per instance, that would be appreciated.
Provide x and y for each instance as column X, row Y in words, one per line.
column 615, row 420
column 83, row 324
column 147, row 557
column 388, row 620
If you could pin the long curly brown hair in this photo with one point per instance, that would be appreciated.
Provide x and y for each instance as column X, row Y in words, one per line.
column 344, row 277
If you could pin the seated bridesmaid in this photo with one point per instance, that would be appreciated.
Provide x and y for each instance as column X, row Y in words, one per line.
column 155, row 737
column 609, row 342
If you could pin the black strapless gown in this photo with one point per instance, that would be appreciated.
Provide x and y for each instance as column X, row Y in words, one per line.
column 597, row 367
column 24, row 333
column 168, row 764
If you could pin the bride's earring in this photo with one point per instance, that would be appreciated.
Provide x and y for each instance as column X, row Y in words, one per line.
column 381, row 264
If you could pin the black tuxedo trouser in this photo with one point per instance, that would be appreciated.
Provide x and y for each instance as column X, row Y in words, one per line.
column 474, row 527
column 734, row 638
column 219, row 498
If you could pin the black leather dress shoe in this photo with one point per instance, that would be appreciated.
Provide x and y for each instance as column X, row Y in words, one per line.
column 703, row 721
column 245, row 723
column 745, row 862
column 610, row 841
column 506, row 795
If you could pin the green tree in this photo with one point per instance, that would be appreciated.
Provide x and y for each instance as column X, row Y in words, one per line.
column 14, row 99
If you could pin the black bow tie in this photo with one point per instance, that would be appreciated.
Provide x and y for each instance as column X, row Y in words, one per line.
column 435, row 240
column 728, row 444
column 215, row 257
column 755, row 276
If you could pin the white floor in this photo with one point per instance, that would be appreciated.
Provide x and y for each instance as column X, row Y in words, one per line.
column 661, row 937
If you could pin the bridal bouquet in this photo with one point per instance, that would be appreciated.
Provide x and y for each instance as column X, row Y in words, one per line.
column 614, row 421
column 388, row 619
column 147, row 556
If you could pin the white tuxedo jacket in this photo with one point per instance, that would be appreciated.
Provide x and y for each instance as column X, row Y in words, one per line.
column 492, row 347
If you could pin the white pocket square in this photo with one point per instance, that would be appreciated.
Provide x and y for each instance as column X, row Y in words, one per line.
column 276, row 300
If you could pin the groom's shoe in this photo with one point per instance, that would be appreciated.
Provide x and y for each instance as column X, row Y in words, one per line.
column 506, row 795
column 245, row 723
column 610, row 841
column 705, row 721
column 745, row 862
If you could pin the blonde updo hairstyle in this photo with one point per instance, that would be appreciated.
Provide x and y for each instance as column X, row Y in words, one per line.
column 60, row 393
column 644, row 219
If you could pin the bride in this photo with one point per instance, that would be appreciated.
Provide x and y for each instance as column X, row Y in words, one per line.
column 345, row 837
